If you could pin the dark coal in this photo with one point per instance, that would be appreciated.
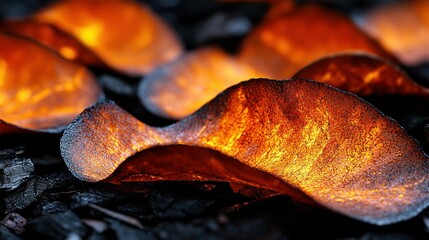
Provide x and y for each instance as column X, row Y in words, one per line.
column 35, row 186
column 6, row 234
column 45, row 208
column 221, row 25
column 420, row 73
column 185, row 231
column 387, row 236
column 64, row 225
column 14, row 222
column 93, row 196
column 99, row 236
column 20, row 8
column 14, row 169
column 124, row 231
column 117, row 85
column 175, row 205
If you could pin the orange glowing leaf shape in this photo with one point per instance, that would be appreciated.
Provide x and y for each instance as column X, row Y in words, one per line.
column 331, row 145
column 401, row 27
column 175, row 89
column 362, row 74
column 39, row 90
column 125, row 34
column 53, row 37
column 282, row 45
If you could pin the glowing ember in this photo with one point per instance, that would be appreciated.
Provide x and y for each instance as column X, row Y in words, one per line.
column 175, row 90
column 361, row 74
column 125, row 34
column 38, row 88
column 402, row 28
column 53, row 37
column 281, row 46
column 334, row 147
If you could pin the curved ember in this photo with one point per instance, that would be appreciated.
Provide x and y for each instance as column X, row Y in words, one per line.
column 125, row 34
column 280, row 46
column 362, row 74
column 331, row 145
column 53, row 37
column 174, row 90
column 402, row 27
column 39, row 90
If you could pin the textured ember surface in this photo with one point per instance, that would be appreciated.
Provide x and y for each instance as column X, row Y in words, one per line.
column 51, row 204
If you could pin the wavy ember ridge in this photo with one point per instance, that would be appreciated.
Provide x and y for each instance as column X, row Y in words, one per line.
column 174, row 90
column 39, row 90
column 331, row 145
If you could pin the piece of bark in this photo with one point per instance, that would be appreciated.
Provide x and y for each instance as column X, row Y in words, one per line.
column 14, row 169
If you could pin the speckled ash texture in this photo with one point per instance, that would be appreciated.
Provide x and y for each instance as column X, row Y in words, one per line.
column 333, row 146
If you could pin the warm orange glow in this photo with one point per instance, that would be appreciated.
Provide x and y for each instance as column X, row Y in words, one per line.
column 333, row 146
column 125, row 34
column 175, row 90
column 68, row 52
column 361, row 74
column 181, row 87
column 53, row 37
column 282, row 45
column 402, row 28
column 38, row 88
